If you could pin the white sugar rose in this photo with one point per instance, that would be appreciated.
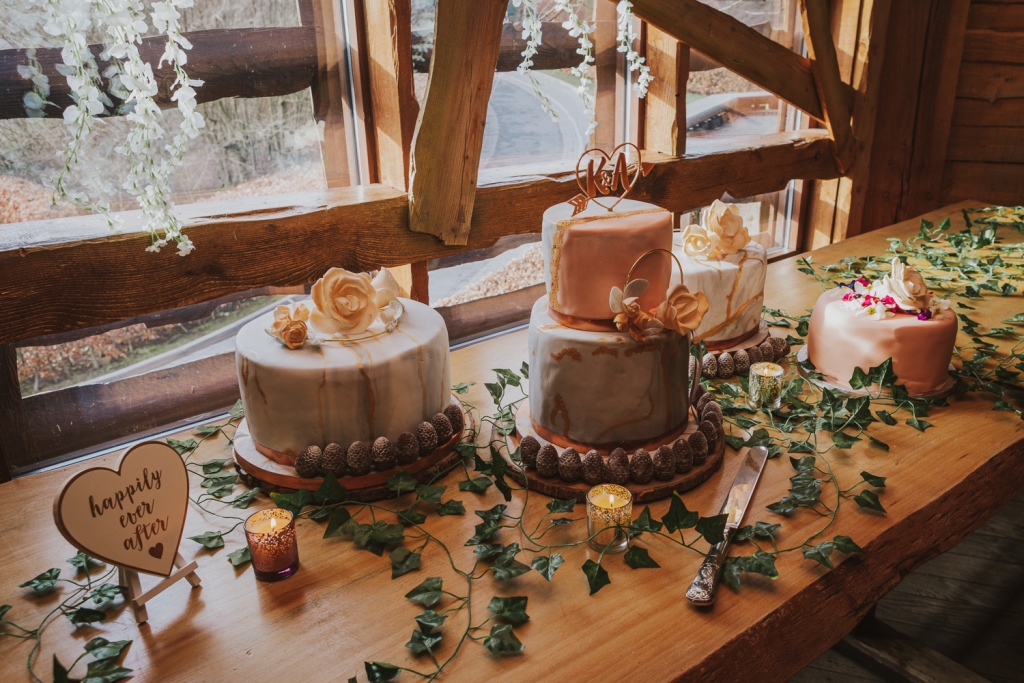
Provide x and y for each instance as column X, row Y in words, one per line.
column 682, row 310
column 725, row 221
column 907, row 287
column 344, row 302
column 698, row 242
column 289, row 325
column 387, row 288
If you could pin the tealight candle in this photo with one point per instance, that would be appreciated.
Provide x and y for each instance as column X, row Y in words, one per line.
column 609, row 514
column 271, row 537
column 765, row 385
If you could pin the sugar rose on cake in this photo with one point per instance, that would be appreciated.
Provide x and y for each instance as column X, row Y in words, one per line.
column 289, row 325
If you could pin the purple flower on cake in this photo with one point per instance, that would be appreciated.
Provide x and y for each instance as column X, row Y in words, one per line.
column 903, row 290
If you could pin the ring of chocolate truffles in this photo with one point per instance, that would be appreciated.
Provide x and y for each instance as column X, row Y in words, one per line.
column 709, row 365
column 698, row 447
column 334, row 460
column 443, row 427
column 618, row 467
column 426, row 435
column 408, row 448
column 308, row 463
column 570, row 467
column 547, row 461
column 767, row 351
column 641, row 466
column 725, row 365
column 454, row 414
column 528, row 449
column 754, row 355
column 383, row 454
column 594, row 470
column 710, row 433
column 664, row 464
column 683, row 456
column 780, row 346
column 704, row 400
column 359, row 462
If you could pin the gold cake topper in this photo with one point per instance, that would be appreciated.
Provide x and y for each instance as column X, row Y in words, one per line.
column 602, row 180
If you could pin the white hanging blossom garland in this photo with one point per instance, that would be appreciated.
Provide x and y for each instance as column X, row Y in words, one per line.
column 578, row 28
column 131, row 80
column 625, row 38
column 533, row 35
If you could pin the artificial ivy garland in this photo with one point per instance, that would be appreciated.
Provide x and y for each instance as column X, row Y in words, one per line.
column 965, row 265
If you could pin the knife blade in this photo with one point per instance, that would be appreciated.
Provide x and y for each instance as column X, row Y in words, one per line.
column 702, row 590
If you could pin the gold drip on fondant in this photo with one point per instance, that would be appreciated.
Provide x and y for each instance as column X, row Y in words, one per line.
column 371, row 398
column 567, row 351
column 643, row 348
column 563, row 410
column 735, row 315
column 245, row 371
column 256, row 379
column 735, row 286
column 605, row 350
column 633, row 420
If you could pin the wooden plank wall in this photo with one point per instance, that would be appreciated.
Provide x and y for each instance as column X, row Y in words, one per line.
column 985, row 154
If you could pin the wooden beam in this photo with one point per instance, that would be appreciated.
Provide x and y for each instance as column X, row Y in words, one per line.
column 14, row 433
column 606, row 79
column 825, row 63
column 393, row 95
column 330, row 95
column 249, row 62
column 665, row 104
column 93, row 278
column 990, row 81
column 450, row 130
column 737, row 47
column 1000, row 46
column 1002, row 183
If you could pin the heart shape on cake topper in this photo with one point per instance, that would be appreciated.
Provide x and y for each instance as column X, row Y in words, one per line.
column 604, row 179
column 132, row 517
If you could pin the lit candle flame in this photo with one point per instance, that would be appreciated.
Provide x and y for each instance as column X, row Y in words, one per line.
column 273, row 523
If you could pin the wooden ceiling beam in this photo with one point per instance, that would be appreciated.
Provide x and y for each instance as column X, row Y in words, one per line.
column 825, row 66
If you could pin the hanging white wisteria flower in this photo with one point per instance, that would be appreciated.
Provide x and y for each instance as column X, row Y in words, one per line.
column 131, row 80
column 578, row 28
column 625, row 38
column 533, row 35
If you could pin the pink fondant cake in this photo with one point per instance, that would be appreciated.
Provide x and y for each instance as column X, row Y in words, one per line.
column 588, row 254
column 852, row 327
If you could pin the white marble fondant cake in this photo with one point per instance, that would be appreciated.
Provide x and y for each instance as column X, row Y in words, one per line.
column 317, row 378
column 719, row 259
column 600, row 388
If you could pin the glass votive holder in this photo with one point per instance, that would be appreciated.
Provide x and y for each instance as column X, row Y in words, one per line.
column 609, row 514
column 271, row 537
column 765, row 385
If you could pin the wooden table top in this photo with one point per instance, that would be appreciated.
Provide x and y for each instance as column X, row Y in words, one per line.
column 342, row 608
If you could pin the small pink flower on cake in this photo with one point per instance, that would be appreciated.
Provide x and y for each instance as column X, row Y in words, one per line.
column 903, row 290
column 722, row 233
column 289, row 325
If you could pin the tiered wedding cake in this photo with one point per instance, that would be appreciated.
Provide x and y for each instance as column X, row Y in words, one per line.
column 350, row 381
column 862, row 324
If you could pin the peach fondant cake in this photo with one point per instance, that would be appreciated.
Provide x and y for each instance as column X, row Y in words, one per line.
column 862, row 323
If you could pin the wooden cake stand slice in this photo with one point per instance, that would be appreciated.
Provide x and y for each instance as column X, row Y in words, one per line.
column 834, row 384
column 557, row 488
column 256, row 469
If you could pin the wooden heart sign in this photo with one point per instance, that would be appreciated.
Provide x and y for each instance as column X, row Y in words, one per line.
column 597, row 181
column 133, row 517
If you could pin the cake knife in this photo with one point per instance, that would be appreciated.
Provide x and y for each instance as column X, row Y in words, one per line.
column 702, row 590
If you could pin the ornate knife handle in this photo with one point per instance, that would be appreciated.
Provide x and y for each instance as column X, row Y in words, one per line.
column 702, row 590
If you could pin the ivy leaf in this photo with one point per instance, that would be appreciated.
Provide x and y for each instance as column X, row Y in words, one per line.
column 462, row 388
column 760, row 437
column 43, row 582
column 745, row 422
column 242, row 500
column 804, row 464
column 411, row 516
column 712, row 528
column 731, row 573
column 105, row 671
column 83, row 563
column 860, row 379
column 506, row 569
column 845, row 545
column 380, row 672
column 678, row 516
column 237, row 410
column 430, row 494
column 339, row 516
column 638, row 558
column 451, row 507
column 820, row 553
column 597, row 577
column 885, row 417
column 403, row 561
column 873, row 480
column 402, row 482
column 556, row 506
column 207, row 430
column 734, row 442
column 919, row 425
column 101, row 648
column 209, row 539
column 491, row 514
column 374, row 537
column 428, row 620
column 524, row 370
column 488, row 551
column 843, row 440
column 1017, row 319
column 868, row 499
column 881, row 444
column 218, row 480
column 1002, row 405
column 86, row 615
column 427, row 593
column 421, row 643
column 212, row 466
column 508, row 377
column 222, row 489
column 478, row 485
column 330, row 491
column 510, row 609
column 761, row 562
column 496, row 390
column 744, row 533
column 502, row 640
column 787, row 504
column 239, row 557
column 106, row 593
column 546, row 566
column 766, row 530
column 644, row 523
column 801, row 447
column 293, row 502
column 183, row 447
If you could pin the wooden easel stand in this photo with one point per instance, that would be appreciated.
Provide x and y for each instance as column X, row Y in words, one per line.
column 138, row 599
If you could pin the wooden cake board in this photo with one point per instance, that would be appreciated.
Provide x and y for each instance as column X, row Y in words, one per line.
column 750, row 342
column 834, row 384
column 256, row 469
column 138, row 599
column 563, row 490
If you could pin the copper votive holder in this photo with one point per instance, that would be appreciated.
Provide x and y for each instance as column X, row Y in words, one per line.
column 609, row 514
column 765, row 385
column 271, row 537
